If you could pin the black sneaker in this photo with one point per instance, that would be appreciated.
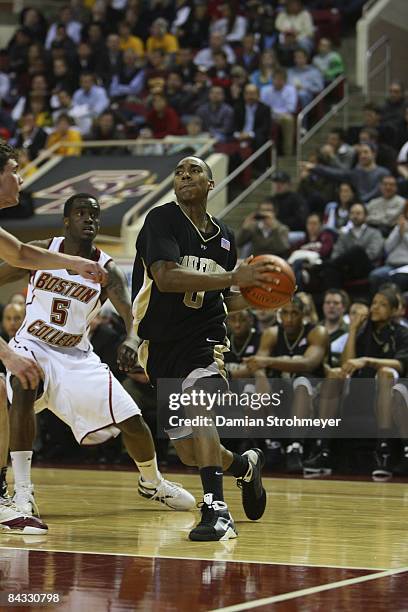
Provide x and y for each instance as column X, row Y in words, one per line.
column 318, row 465
column 401, row 469
column 294, row 463
column 253, row 493
column 382, row 470
column 216, row 523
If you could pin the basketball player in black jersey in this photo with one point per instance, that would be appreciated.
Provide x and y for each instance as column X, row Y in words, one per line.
column 244, row 342
column 297, row 351
column 182, row 275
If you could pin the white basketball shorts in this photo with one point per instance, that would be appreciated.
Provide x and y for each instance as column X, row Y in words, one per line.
column 79, row 389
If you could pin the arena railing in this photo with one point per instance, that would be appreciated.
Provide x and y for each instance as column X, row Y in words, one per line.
column 302, row 134
column 368, row 5
column 48, row 158
column 269, row 145
column 132, row 215
column 382, row 43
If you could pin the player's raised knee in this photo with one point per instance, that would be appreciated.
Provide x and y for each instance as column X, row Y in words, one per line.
column 334, row 374
column 386, row 373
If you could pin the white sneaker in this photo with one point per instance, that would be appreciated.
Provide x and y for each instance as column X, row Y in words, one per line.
column 12, row 521
column 170, row 494
column 23, row 499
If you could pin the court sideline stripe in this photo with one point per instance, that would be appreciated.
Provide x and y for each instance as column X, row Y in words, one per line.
column 270, row 493
column 257, row 603
column 220, row 560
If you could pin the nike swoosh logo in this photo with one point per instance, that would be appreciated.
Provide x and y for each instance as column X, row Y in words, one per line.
column 210, row 340
column 219, row 473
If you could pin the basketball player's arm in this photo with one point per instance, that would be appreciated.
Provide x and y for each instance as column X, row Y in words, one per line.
column 318, row 341
column 117, row 292
column 349, row 351
column 235, row 301
column 170, row 277
column 30, row 257
column 267, row 344
column 26, row 370
column 10, row 274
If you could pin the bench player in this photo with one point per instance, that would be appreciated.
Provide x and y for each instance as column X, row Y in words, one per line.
column 181, row 278
column 295, row 352
column 77, row 387
column 25, row 369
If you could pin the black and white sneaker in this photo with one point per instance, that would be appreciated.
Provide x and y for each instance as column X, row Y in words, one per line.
column 382, row 470
column 253, row 493
column 318, row 465
column 216, row 522
column 294, row 454
column 170, row 494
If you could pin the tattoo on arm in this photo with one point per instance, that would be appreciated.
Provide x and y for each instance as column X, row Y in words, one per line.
column 118, row 293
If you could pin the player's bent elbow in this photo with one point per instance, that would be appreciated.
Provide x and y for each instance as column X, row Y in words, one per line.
column 387, row 373
column 162, row 282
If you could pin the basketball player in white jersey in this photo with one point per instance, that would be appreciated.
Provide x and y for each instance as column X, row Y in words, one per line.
column 25, row 369
column 77, row 387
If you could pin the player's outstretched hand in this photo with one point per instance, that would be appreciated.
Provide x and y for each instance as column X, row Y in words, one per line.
column 91, row 270
column 127, row 356
column 26, row 370
column 255, row 275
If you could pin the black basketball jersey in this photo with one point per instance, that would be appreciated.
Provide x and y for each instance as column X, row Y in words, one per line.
column 298, row 347
column 234, row 357
column 391, row 342
column 168, row 234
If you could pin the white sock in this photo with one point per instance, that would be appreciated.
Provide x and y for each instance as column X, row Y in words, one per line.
column 21, row 462
column 149, row 471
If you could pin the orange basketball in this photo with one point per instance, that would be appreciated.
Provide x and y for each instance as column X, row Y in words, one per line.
column 279, row 294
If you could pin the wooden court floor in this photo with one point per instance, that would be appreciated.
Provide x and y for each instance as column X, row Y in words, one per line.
column 322, row 544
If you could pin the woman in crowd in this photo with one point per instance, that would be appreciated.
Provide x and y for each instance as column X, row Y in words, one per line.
column 336, row 213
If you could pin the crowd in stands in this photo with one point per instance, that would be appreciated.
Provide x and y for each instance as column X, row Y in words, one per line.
column 240, row 71
column 344, row 230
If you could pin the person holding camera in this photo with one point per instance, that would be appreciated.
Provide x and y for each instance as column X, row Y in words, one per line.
column 262, row 233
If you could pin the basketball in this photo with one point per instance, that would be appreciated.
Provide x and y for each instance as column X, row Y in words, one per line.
column 278, row 295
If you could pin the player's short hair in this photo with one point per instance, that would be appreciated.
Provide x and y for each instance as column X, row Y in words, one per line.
column 6, row 152
column 206, row 166
column 77, row 196
column 298, row 303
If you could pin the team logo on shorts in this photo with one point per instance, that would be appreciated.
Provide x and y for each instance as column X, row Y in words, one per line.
column 111, row 187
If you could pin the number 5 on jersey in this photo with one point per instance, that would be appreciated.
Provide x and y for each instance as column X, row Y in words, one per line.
column 59, row 311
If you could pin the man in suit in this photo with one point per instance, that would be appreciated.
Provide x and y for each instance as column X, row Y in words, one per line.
column 252, row 118
column 252, row 122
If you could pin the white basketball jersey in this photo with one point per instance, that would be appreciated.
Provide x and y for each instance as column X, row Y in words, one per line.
column 60, row 306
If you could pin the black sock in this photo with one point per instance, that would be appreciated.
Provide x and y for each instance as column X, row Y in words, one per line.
column 211, row 478
column 239, row 465
column 3, row 481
